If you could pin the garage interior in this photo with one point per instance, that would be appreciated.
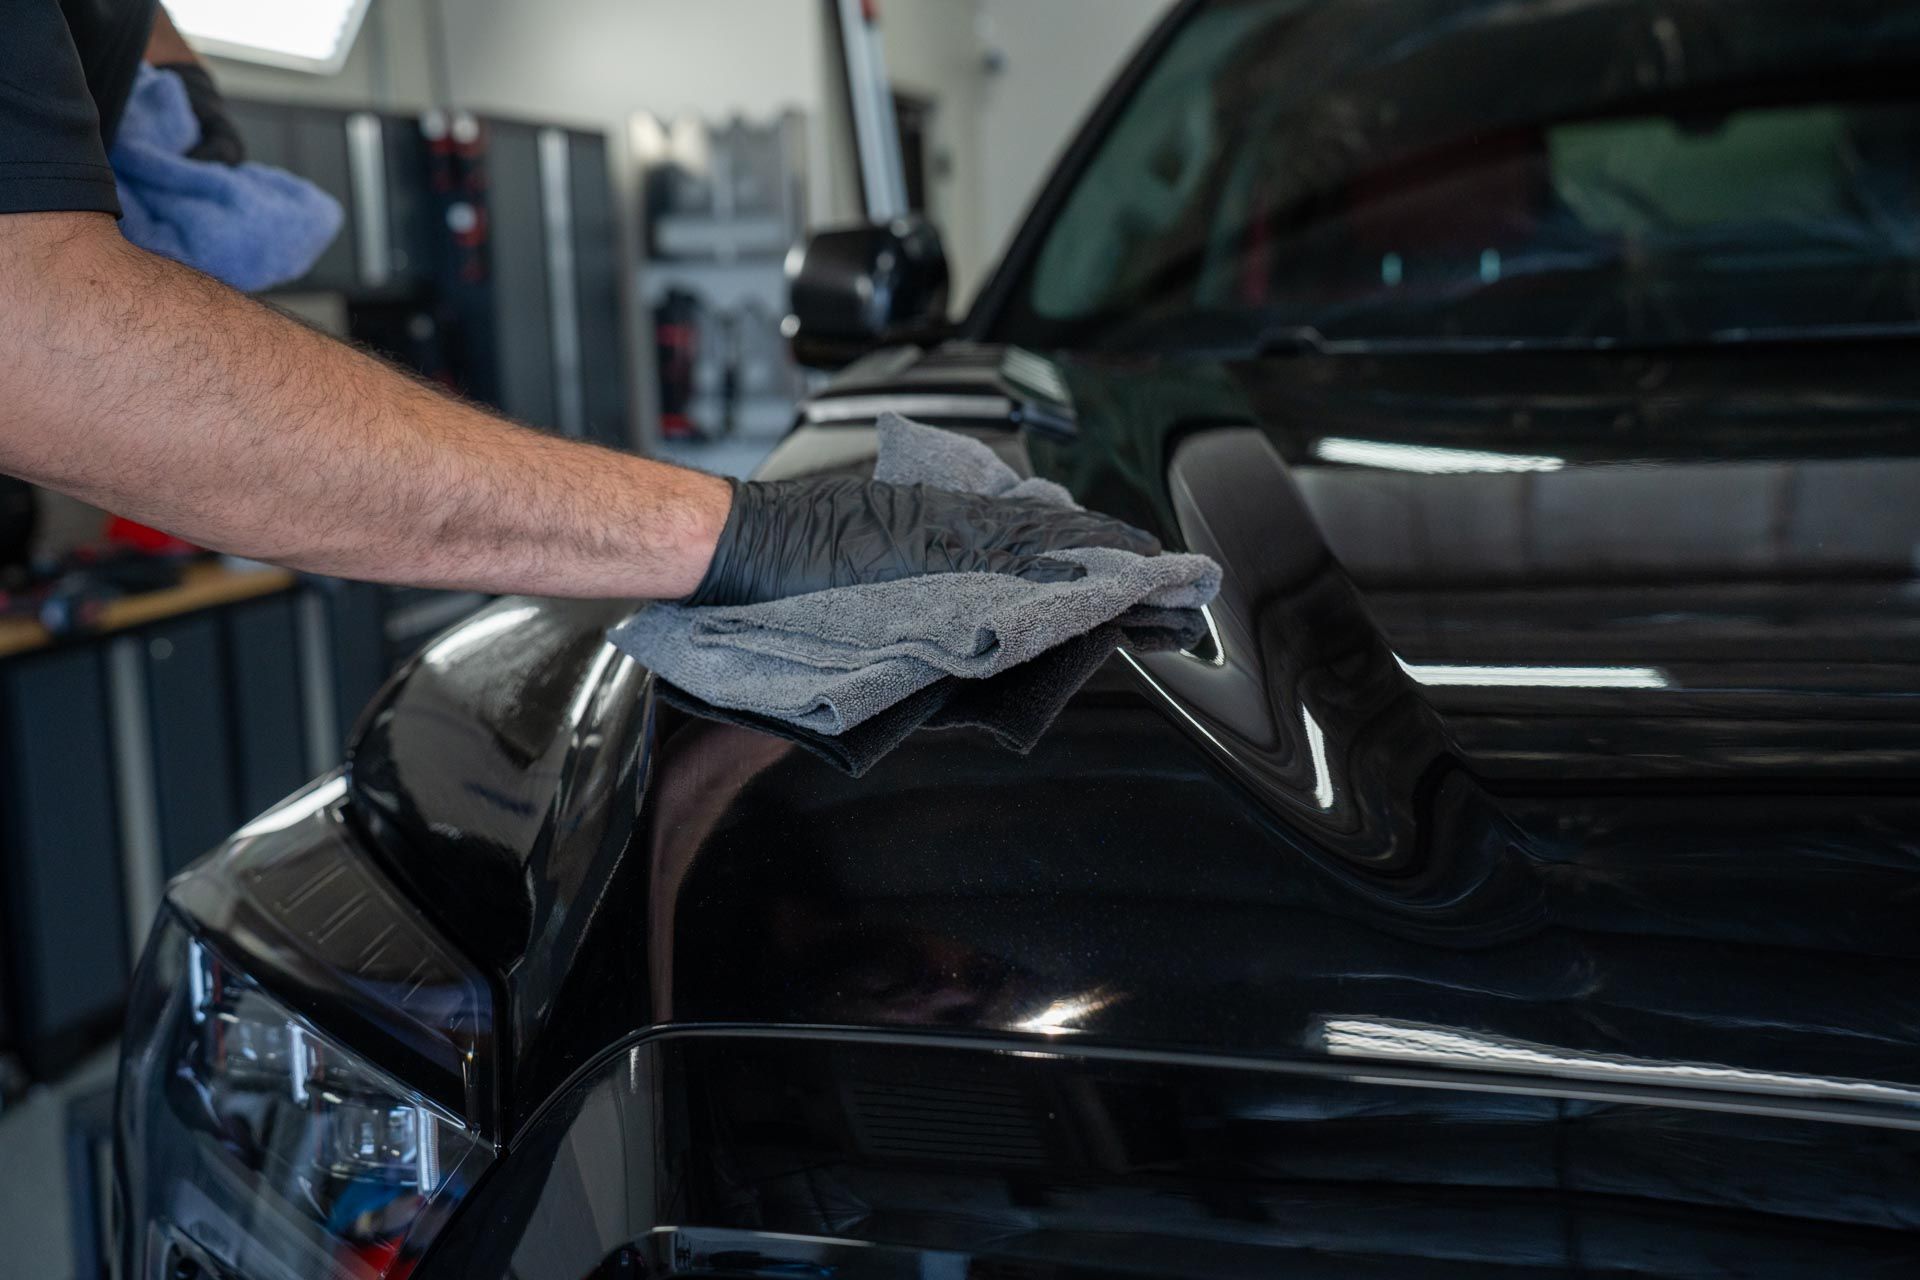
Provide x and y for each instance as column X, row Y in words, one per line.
column 576, row 212
column 1317, row 671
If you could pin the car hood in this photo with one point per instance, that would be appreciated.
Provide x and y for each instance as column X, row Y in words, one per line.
column 1622, row 566
column 1553, row 719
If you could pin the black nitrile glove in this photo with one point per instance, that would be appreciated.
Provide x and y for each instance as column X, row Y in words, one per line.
column 789, row 537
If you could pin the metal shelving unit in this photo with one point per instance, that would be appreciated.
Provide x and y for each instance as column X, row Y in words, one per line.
column 725, row 204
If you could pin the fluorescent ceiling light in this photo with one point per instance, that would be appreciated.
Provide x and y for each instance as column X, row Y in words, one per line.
column 1427, row 458
column 1448, row 675
column 305, row 35
column 1382, row 1040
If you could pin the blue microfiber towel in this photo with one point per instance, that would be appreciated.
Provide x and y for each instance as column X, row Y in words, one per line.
column 248, row 225
column 830, row 660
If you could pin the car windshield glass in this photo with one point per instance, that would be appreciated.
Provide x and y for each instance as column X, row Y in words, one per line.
column 1277, row 175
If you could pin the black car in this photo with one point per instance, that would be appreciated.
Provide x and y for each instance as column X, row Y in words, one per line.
column 1521, row 877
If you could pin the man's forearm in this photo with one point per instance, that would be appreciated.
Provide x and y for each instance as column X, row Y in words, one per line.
column 145, row 388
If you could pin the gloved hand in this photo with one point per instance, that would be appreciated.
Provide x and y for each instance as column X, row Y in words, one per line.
column 789, row 537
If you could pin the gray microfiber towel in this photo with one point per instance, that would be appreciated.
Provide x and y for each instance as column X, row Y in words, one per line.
column 1014, row 709
column 830, row 660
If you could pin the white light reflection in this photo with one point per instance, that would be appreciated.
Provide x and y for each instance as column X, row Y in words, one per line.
column 1219, row 658
column 296, row 809
column 1172, row 701
column 1317, row 747
column 1451, row 675
column 1427, row 458
column 1380, row 1040
column 475, row 632
column 1060, row 1017
column 589, row 687
column 299, row 1062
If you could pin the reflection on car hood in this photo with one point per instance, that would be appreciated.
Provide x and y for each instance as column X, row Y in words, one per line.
column 1596, row 566
column 1524, row 763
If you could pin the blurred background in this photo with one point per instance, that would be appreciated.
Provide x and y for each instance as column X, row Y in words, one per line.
column 577, row 212
column 683, row 149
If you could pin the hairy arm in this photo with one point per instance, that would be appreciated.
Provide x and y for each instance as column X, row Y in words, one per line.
column 144, row 387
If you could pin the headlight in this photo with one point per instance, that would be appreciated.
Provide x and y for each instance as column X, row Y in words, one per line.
column 254, row 1143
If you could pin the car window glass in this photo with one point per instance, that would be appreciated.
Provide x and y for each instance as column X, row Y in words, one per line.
column 1221, row 203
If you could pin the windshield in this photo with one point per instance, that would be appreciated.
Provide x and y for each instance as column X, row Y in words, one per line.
column 1285, row 172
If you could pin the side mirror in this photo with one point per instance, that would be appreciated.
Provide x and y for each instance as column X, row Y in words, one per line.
column 863, row 287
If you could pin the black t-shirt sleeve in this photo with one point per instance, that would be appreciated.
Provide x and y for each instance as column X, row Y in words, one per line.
column 51, row 155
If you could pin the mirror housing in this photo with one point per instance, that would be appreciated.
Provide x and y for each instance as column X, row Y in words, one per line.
column 857, row 288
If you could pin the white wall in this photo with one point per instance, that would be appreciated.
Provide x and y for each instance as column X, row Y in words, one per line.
column 1011, row 80
column 592, row 63
column 1056, row 58
column 600, row 61
column 596, row 62
column 583, row 61
column 933, row 51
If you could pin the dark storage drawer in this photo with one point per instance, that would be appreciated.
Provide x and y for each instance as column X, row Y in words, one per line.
column 522, row 299
column 65, row 927
column 125, row 757
column 269, row 722
column 311, row 142
column 375, row 166
column 596, row 257
column 191, row 726
column 356, row 615
column 319, row 154
column 554, row 268
column 532, row 325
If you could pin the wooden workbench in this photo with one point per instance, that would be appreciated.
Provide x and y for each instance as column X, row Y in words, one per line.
column 202, row 587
